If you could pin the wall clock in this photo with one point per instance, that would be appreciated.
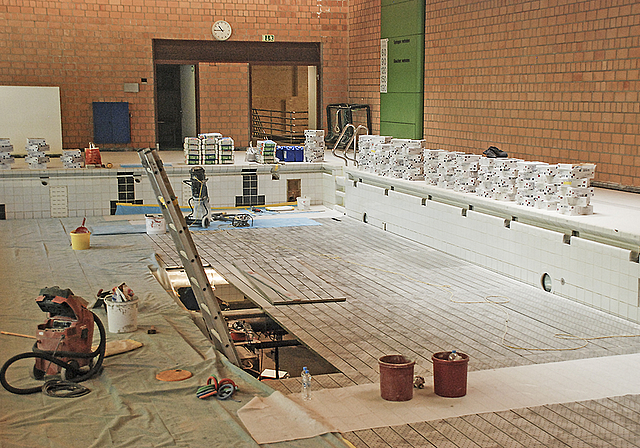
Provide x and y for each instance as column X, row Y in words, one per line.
column 221, row 30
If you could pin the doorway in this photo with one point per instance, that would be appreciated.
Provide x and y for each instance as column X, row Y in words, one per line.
column 283, row 102
column 176, row 104
column 170, row 54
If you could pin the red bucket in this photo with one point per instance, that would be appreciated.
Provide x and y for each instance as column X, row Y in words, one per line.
column 396, row 378
column 449, row 377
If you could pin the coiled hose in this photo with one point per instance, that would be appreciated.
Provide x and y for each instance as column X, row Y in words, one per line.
column 37, row 353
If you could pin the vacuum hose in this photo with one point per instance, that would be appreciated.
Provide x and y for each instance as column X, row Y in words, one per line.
column 37, row 353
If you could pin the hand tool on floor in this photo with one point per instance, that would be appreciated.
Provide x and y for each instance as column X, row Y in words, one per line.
column 63, row 341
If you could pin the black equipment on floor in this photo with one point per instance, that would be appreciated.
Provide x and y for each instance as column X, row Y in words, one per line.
column 199, row 202
column 63, row 342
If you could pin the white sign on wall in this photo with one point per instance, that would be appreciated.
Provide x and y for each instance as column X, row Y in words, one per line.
column 384, row 43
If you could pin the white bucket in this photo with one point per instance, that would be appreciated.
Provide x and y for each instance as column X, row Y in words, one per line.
column 122, row 317
column 304, row 203
column 155, row 224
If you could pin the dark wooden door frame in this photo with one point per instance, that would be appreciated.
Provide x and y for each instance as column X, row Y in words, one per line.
column 180, row 51
column 155, row 92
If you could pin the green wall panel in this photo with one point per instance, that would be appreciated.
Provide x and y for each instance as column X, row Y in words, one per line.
column 402, row 18
column 399, row 130
column 402, row 107
column 406, row 64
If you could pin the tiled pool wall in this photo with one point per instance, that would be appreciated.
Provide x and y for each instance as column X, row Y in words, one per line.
column 26, row 194
column 604, row 276
column 598, row 274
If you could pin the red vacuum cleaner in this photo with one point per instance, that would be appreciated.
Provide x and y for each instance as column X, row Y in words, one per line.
column 63, row 344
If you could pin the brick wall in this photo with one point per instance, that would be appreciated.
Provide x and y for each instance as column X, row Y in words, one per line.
column 550, row 81
column 90, row 49
column 224, row 100
column 542, row 82
column 364, row 57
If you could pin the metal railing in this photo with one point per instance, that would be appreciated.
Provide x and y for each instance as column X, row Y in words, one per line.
column 352, row 141
column 279, row 126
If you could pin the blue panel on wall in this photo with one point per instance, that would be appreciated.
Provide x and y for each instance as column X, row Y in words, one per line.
column 111, row 122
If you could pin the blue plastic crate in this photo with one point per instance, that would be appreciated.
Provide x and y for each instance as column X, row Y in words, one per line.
column 293, row 153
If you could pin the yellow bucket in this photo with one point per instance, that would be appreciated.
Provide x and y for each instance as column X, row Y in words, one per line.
column 80, row 241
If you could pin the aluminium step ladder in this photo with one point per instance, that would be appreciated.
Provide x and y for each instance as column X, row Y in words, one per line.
column 218, row 332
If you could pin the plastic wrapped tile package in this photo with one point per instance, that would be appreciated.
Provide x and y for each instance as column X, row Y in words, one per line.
column 465, row 172
column 6, row 159
column 561, row 187
column 36, row 153
column 225, row 150
column 71, row 158
column 314, row 145
column 392, row 157
column 266, row 151
column 208, row 149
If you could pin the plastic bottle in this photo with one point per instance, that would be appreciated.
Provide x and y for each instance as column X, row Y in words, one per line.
column 306, row 384
column 453, row 356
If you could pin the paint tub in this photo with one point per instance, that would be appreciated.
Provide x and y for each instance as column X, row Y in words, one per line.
column 396, row 378
column 122, row 317
column 80, row 240
column 449, row 377
column 304, row 203
column 155, row 224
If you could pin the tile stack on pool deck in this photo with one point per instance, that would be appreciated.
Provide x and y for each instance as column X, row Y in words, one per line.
column 6, row 159
column 266, row 152
column 36, row 153
column 314, row 145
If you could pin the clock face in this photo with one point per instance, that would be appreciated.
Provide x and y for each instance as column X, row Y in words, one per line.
column 221, row 30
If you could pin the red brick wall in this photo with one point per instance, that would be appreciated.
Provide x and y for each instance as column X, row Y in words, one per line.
column 542, row 82
column 224, row 101
column 90, row 49
column 364, row 57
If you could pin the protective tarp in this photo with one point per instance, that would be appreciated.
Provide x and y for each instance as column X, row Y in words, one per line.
column 127, row 405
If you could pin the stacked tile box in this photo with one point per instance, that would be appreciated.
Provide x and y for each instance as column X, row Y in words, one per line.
column 392, row 157
column 409, row 159
column 431, row 157
column 225, row 151
column 466, row 173
column 560, row 187
column 6, row 159
column 574, row 192
column 71, row 158
column 36, row 153
column 497, row 178
column 446, row 169
column 369, row 155
column 266, row 152
column 191, row 150
column 314, row 145
column 208, row 149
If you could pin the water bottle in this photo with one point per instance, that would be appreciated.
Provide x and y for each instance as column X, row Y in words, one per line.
column 453, row 356
column 306, row 384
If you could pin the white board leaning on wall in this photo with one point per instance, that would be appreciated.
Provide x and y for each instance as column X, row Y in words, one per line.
column 31, row 112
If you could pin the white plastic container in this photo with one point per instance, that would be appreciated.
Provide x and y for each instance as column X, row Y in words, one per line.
column 304, row 203
column 155, row 224
column 122, row 317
